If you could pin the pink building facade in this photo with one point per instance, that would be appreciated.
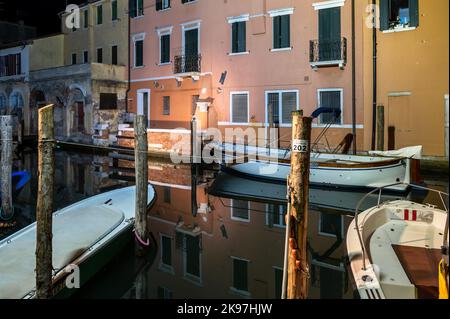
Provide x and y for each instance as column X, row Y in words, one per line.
column 246, row 64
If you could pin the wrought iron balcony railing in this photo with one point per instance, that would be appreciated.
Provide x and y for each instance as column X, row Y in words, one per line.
column 187, row 64
column 326, row 53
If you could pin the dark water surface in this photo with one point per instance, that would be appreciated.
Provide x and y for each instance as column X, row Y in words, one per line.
column 233, row 248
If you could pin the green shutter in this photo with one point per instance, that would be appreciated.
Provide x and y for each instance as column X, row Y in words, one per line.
column 165, row 48
column 86, row 18
column 276, row 33
column 384, row 14
column 114, row 10
column 242, row 35
column 100, row 14
column 140, row 7
column 139, row 53
column 158, row 5
column 414, row 13
column 285, row 31
column 235, row 29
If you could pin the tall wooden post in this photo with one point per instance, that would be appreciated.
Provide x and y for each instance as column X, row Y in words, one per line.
column 6, row 126
column 298, row 268
column 141, row 166
column 380, row 128
column 44, row 209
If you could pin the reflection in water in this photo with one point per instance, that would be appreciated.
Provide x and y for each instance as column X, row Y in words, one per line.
column 232, row 248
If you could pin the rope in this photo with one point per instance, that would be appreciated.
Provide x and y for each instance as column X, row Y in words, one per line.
column 139, row 239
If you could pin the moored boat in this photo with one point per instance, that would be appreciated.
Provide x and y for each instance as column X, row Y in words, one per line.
column 397, row 250
column 86, row 234
column 337, row 170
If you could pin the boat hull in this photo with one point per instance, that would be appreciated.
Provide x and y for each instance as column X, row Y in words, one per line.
column 359, row 178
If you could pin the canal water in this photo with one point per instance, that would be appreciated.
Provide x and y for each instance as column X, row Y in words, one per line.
column 233, row 246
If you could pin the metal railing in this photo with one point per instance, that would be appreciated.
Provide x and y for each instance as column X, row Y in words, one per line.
column 380, row 192
column 187, row 64
column 328, row 50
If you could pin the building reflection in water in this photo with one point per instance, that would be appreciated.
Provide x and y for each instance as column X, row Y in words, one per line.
column 232, row 248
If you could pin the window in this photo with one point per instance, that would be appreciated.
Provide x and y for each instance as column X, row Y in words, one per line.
column 281, row 32
column 136, row 8
column 192, row 257
column 164, row 293
column 167, row 195
column 85, row 56
column 74, row 58
column 165, row 48
column 331, row 99
column 240, row 107
column 330, row 43
column 99, row 55
column 17, row 105
column 331, row 225
column 166, row 252
column 239, row 34
column 10, row 65
column 114, row 10
column 399, row 14
column 240, row 210
column 99, row 14
column 240, row 274
column 114, row 55
column 166, row 105
column 86, row 18
column 139, row 53
column 187, row 1
column 276, row 215
column 108, row 101
column 162, row 5
column 280, row 105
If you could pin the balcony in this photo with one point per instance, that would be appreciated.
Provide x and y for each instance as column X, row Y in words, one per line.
column 187, row 65
column 328, row 53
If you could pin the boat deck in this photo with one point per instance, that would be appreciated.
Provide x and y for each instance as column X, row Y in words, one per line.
column 73, row 234
column 405, row 254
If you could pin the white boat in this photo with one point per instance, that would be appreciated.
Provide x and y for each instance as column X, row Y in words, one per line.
column 86, row 234
column 395, row 250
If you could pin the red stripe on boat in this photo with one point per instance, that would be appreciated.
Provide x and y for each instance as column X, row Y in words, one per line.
column 406, row 214
column 414, row 218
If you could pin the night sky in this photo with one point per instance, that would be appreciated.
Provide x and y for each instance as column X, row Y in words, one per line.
column 42, row 14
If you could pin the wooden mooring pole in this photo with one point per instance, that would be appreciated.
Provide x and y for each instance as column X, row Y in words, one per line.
column 44, row 209
column 298, row 267
column 6, row 127
column 380, row 128
column 141, row 167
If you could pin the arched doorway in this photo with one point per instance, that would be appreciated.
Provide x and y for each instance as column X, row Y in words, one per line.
column 37, row 100
column 77, row 124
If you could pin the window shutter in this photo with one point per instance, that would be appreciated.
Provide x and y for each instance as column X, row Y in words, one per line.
column 133, row 8
column 285, row 31
column 242, row 31
column 289, row 106
column 414, row 13
column 234, row 38
column 240, row 108
column 384, row 14
column 276, row 33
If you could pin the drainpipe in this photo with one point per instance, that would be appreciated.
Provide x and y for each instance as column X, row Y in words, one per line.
column 354, row 78
column 374, row 94
column 129, row 63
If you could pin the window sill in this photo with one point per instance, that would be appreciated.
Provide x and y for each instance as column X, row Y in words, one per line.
column 191, row 2
column 164, row 10
column 165, row 64
column 138, row 67
column 239, row 53
column 166, row 269
column 138, row 17
column 400, row 29
column 281, row 49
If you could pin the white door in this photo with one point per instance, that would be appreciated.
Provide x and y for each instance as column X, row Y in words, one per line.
column 143, row 104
